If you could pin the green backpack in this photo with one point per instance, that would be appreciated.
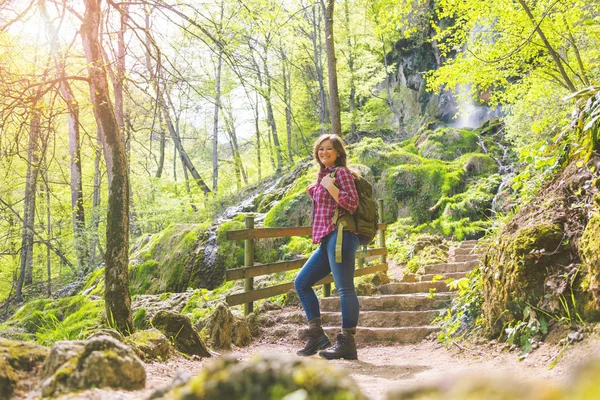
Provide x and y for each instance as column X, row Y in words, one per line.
column 364, row 220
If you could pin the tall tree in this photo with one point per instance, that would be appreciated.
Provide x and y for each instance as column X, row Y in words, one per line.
column 334, row 97
column 77, row 209
column 117, row 297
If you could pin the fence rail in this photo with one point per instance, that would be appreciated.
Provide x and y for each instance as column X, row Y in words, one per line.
column 252, row 270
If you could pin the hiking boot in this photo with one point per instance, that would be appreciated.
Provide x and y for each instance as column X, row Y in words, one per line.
column 345, row 347
column 317, row 340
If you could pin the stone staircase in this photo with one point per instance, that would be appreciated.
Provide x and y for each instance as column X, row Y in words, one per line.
column 403, row 311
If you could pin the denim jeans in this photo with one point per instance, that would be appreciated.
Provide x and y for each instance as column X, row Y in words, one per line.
column 318, row 266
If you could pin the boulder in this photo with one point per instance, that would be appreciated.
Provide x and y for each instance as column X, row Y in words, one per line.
column 150, row 345
column 8, row 380
column 22, row 356
column 291, row 299
column 224, row 329
column 265, row 377
column 178, row 328
column 99, row 362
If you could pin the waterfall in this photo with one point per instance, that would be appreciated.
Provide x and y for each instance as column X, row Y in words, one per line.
column 469, row 114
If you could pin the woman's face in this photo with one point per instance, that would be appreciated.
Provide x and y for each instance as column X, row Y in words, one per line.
column 327, row 154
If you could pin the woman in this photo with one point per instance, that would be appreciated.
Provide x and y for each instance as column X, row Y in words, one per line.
column 334, row 189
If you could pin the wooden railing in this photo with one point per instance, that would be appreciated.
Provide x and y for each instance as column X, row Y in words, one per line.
column 251, row 270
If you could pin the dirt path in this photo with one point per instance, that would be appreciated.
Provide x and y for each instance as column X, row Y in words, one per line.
column 381, row 368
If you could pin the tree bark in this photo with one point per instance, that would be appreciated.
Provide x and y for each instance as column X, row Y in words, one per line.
column 287, row 100
column 334, row 97
column 216, row 119
column 34, row 156
column 117, row 297
column 317, row 60
column 352, row 95
column 77, row 210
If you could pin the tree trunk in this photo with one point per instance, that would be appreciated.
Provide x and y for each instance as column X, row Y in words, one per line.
column 287, row 100
column 117, row 297
column 216, row 119
column 317, row 59
column 77, row 210
column 334, row 97
column 95, row 240
column 271, row 117
column 352, row 95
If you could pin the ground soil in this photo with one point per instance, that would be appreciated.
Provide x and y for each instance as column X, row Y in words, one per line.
column 384, row 367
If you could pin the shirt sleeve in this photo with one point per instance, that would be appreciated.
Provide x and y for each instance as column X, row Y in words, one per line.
column 347, row 197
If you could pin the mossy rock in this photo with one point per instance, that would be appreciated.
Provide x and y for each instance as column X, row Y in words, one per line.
column 180, row 257
column 22, row 356
column 447, row 143
column 515, row 270
column 266, row 377
column 150, row 345
column 8, row 380
column 180, row 331
column 98, row 362
column 589, row 250
column 224, row 329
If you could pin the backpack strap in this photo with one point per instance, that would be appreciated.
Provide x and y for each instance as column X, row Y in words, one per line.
column 340, row 227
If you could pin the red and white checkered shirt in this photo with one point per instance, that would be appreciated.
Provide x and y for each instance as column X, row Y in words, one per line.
column 324, row 204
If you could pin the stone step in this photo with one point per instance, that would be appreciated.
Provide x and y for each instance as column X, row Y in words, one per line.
column 465, row 257
column 402, row 335
column 450, row 267
column 468, row 242
column 448, row 275
column 413, row 287
column 385, row 319
column 459, row 251
column 397, row 302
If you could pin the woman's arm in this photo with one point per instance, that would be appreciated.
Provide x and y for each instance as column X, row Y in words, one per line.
column 344, row 193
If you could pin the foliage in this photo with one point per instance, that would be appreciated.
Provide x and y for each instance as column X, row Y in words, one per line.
column 68, row 318
column 464, row 315
column 524, row 333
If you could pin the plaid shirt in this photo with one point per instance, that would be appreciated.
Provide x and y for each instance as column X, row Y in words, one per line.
column 324, row 204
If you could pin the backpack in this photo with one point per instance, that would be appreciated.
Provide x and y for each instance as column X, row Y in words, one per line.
column 365, row 219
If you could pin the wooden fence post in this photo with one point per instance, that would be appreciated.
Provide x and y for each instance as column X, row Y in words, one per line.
column 249, row 262
column 381, row 231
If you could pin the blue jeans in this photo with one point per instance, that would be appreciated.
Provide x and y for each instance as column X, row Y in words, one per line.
column 318, row 266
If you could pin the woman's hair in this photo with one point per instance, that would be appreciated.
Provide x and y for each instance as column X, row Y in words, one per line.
column 338, row 145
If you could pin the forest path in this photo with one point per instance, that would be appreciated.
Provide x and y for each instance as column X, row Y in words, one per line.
column 380, row 368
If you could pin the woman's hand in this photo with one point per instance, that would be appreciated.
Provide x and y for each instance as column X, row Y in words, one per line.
column 328, row 182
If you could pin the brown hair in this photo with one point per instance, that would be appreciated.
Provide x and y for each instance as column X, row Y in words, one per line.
column 338, row 145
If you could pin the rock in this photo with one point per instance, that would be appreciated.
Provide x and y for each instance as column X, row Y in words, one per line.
column 241, row 335
column 477, row 385
column 575, row 336
column 22, row 356
column 364, row 288
column 107, row 332
column 268, row 305
column 291, row 299
column 178, row 328
column 264, row 377
column 253, row 324
column 99, row 362
column 224, row 329
column 8, row 380
column 150, row 345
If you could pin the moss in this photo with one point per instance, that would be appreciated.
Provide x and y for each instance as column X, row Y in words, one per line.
column 94, row 284
column 514, row 272
column 169, row 258
column 140, row 319
column 231, row 250
column 67, row 318
column 292, row 210
column 589, row 251
column 448, row 143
